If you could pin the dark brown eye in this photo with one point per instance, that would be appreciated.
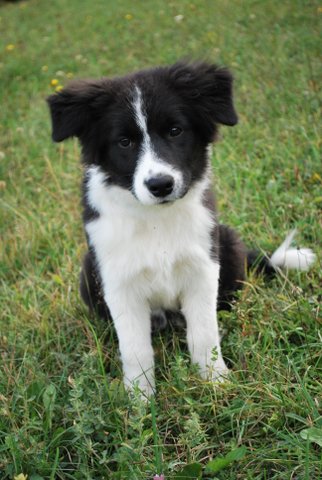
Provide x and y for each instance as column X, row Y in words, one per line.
column 125, row 142
column 175, row 131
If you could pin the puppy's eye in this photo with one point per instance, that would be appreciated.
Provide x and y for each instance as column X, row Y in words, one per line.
column 175, row 131
column 125, row 143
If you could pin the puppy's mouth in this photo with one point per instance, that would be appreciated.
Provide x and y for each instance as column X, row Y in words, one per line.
column 167, row 202
column 151, row 202
column 159, row 193
column 162, row 202
column 170, row 201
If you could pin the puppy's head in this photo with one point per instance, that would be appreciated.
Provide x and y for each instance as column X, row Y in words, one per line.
column 148, row 132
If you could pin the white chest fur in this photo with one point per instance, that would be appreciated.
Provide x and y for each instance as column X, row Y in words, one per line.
column 151, row 257
column 154, row 249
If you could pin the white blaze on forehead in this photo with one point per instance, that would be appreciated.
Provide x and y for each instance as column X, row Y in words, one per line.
column 149, row 164
column 139, row 115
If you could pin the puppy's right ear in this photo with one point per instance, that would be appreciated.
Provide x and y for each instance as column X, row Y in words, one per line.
column 208, row 88
column 71, row 109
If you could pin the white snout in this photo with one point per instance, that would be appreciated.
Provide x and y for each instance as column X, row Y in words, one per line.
column 155, row 181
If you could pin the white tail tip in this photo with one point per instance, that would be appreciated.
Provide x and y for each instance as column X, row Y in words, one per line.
column 295, row 258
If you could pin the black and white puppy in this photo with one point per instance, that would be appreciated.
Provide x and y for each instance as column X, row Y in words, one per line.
column 154, row 242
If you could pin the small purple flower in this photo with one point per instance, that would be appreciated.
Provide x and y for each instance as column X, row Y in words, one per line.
column 159, row 477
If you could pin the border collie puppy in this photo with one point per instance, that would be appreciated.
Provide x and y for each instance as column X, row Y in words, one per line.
column 154, row 244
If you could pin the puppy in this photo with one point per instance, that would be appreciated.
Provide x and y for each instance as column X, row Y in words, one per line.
column 154, row 243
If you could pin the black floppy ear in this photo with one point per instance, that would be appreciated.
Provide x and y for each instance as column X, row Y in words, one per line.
column 71, row 109
column 207, row 86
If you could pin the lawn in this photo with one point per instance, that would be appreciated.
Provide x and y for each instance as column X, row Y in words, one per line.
column 63, row 411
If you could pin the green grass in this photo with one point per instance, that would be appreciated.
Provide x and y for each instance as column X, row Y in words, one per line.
column 63, row 412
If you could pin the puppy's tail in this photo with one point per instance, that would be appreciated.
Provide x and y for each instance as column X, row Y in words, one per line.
column 284, row 257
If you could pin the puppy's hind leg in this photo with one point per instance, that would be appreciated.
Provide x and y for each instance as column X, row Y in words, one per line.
column 233, row 265
column 235, row 260
column 90, row 287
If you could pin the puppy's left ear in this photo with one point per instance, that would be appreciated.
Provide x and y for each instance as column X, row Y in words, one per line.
column 72, row 109
column 208, row 87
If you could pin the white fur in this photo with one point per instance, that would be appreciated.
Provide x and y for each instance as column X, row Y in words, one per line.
column 149, row 164
column 293, row 258
column 155, row 257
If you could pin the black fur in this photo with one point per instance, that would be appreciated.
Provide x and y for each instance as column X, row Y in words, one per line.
column 196, row 96
column 234, row 259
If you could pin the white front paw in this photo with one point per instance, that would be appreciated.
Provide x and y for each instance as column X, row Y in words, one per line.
column 217, row 371
column 146, row 389
column 143, row 384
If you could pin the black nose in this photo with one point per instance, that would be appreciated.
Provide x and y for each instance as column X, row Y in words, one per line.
column 160, row 186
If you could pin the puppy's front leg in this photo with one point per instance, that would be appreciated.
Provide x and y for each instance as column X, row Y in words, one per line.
column 199, row 306
column 131, row 317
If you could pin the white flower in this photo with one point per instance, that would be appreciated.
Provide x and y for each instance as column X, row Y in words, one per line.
column 179, row 18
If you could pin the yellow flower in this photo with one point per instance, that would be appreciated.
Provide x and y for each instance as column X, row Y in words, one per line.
column 316, row 178
column 58, row 88
column 10, row 47
column 54, row 82
column 21, row 476
column 128, row 16
column 44, row 68
column 69, row 75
